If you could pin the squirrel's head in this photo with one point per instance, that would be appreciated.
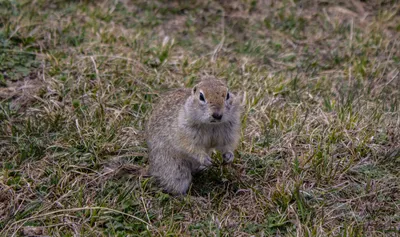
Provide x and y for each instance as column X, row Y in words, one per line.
column 211, row 102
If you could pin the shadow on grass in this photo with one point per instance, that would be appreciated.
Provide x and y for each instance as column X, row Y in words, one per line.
column 217, row 180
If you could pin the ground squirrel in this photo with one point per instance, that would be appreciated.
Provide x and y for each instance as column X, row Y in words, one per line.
column 185, row 126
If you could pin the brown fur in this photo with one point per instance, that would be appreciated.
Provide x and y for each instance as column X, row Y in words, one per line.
column 181, row 132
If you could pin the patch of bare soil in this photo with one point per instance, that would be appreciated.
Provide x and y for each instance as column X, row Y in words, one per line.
column 21, row 93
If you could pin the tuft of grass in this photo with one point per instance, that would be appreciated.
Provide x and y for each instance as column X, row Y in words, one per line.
column 319, row 153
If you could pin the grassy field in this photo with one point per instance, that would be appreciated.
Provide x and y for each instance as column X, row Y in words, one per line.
column 320, row 147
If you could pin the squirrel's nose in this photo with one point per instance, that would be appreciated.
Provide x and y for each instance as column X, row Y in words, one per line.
column 217, row 116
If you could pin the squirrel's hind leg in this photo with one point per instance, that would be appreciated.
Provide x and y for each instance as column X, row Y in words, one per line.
column 177, row 182
column 174, row 177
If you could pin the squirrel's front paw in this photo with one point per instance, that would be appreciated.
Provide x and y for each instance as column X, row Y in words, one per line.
column 228, row 157
column 206, row 161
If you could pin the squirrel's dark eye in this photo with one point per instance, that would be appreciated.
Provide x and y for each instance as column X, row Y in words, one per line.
column 202, row 97
column 227, row 96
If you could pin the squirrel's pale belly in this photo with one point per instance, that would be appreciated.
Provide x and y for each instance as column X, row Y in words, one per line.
column 212, row 136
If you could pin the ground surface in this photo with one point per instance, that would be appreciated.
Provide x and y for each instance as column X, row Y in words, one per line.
column 319, row 154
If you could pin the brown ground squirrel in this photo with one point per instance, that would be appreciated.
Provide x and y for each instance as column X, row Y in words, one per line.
column 185, row 126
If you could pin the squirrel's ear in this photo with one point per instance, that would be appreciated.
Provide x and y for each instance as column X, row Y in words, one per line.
column 194, row 90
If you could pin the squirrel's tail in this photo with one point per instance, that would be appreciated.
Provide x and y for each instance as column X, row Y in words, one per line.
column 118, row 169
column 131, row 169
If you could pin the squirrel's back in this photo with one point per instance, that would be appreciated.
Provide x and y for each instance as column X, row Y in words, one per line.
column 163, row 118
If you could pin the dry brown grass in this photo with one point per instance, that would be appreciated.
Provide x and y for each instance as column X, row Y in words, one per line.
column 320, row 150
